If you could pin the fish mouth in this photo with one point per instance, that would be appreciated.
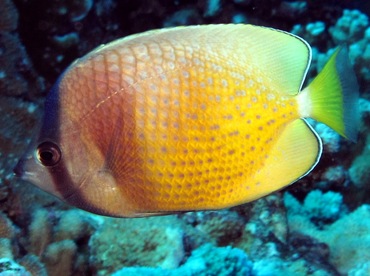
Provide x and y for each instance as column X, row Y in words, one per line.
column 28, row 170
column 21, row 170
column 18, row 169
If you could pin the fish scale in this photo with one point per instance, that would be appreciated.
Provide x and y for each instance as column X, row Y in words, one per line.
column 215, row 186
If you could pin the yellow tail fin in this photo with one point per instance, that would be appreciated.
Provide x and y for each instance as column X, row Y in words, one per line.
column 334, row 95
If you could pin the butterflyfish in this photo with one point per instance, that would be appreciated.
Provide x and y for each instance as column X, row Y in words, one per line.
column 187, row 118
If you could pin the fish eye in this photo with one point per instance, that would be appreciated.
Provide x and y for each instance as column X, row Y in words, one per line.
column 48, row 154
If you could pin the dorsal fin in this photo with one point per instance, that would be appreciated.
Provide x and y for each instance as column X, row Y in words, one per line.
column 280, row 57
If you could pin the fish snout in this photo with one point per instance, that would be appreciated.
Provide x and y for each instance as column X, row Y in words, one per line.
column 19, row 168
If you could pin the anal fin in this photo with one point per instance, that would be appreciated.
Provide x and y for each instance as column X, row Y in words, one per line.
column 294, row 155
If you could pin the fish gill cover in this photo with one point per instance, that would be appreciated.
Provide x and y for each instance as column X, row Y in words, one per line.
column 320, row 225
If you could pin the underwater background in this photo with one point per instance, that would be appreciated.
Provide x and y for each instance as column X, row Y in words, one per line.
column 318, row 226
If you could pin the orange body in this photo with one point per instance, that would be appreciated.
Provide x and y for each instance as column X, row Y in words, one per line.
column 185, row 126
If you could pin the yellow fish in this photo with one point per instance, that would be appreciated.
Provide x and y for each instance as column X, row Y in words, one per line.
column 187, row 118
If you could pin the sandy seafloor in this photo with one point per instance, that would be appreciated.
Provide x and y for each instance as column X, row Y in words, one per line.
column 317, row 226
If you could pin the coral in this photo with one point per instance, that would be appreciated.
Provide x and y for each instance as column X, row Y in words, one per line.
column 17, row 121
column 309, row 248
column 360, row 55
column 360, row 270
column 350, row 27
column 318, row 207
column 313, row 32
column 33, row 264
column 116, row 243
column 9, row 267
column 347, row 238
column 217, row 261
column 7, row 229
column 330, row 138
column 67, row 40
column 52, row 239
column 6, row 249
column 239, row 18
column 56, row 26
column 334, row 174
column 183, row 17
column 73, row 225
column 353, row 28
column 206, row 260
column 39, row 232
column 12, row 58
column 359, row 171
column 148, row 271
column 51, row 242
column 280, row 267
column 267, row 218
column 327, row 206
column 17, row 76
column 59, row 257
column 315, row 28
column 291, row 9
column 265, row 232
column 213, row 8
column 8, row 233
column 76, row 10
column 221, row 227
column 9, row 16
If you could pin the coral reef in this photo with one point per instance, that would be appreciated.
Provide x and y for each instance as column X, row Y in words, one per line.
column 265, row 232
column 9, row 16
column 360, row 54
column 17, row 75
column 33, row 265
column 8, row 268
column 40, row 232
column 115, row 244
column 49, row 240
column 206, row 260
column 17, row 121
column 347, row 238
column 350, row 27
column 60, row 257
column 353, row 29
column 220, row 227
column 325, row 206
column 76, row 10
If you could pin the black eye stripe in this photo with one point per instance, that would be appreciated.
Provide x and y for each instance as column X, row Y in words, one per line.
column 48, row 154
